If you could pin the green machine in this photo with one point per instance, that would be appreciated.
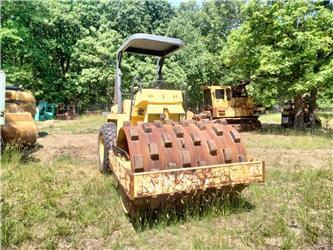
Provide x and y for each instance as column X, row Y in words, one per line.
column 45, row 111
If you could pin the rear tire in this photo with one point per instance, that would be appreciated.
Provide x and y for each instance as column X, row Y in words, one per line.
column 106, row 138
column 129, row 209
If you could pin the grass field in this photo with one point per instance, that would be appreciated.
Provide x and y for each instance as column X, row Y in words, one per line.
column 86, row 124
column 67, row 203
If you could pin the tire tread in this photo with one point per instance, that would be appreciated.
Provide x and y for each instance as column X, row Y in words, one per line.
column 109, row 132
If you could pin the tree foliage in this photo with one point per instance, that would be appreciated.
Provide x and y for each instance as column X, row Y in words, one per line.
column 64, row 51
column 284, row 47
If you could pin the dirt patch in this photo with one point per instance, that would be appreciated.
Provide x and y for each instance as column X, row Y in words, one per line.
column 82, row 146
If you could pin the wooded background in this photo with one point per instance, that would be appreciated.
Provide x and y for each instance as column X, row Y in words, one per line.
column 64, row 51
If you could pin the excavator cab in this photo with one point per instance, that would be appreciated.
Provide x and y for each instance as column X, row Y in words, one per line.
column 232, row 103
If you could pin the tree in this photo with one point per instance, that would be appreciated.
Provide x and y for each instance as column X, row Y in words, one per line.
column 200, row 67
column 64, row 51
column 23, row 55
column 94, row 67
column 216, row 19
column 284, row 48
column 37, row 45
column 135, row 16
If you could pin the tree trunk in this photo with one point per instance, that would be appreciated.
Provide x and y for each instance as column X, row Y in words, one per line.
column 62, row 65
column 305, row 107
column 313, row 118
column 299, row 113
column 67, row 64
column 312, row 107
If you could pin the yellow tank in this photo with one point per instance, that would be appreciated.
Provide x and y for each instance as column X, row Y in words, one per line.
column 23, row 99
column 19, row 127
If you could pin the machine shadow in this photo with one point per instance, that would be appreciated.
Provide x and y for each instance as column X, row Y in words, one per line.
column 42, row 134
column 165, row 217
column 28, row 153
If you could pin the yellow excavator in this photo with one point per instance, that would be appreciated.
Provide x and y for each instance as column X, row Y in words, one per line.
column 18, row 107
column 159, row 158
column 230, row 103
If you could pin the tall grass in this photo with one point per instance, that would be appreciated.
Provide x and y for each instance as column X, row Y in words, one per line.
column 67, row 203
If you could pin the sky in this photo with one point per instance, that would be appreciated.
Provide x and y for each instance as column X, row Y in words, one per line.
column 177, row 2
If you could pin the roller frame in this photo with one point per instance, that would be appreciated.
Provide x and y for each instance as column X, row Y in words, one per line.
column 184, row 180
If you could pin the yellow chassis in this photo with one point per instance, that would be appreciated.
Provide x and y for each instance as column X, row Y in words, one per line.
column 173, row 181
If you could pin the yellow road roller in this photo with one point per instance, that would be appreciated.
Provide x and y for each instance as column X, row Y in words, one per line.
column 157, row 156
